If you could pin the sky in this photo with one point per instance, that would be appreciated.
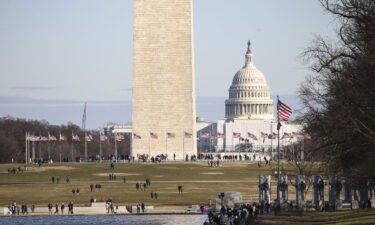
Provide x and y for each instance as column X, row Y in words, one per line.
column 57, row 54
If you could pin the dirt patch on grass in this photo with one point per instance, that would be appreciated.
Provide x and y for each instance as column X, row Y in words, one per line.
column 158, row 176
column 211, row 173
column 117, row 174
column 42, row 169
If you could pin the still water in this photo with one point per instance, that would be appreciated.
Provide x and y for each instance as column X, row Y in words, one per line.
column 103, row 220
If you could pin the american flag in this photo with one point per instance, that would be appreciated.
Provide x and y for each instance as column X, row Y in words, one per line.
column 42, row 138
column 188, row 135
column 153, row 135
column 136, row 136
column 264, row 136
column 236, row 135
column 119, row 137
column 220, row 135
column 272, row 136
column 63, row 138
column 37, row 138
column 252, row 136
column 33, row 138
column 89, row 138
column 298, row 135
column 170, row 135
column 75, row 138
column 205, row 135
column 103, row 138
column 52, row 138
column 283, row 111
column 286, row 135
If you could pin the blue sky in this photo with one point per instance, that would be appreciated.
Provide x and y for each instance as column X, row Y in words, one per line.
column 65, row 52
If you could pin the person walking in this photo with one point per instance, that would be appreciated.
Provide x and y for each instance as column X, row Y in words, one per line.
column 70, row 206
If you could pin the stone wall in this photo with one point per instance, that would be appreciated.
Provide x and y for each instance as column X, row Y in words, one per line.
column 163, row 77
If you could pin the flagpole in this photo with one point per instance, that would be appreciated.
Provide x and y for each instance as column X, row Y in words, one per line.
column 278, row 157
column 85, row 146
column 26, row 147
column 33, row 151
column 131, row 145
column 210, row 137
column 48, row 148
column 72, row 148
column 100, row 147
column 232, row 141
column 149, row 145
column 183, row 145
column 60, row 147
column 40, row 148
column 115, row 147
column 271, row 133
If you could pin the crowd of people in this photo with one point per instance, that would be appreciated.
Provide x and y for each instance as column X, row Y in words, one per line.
column 15, row 209
column 243, row 214
column 16, row 170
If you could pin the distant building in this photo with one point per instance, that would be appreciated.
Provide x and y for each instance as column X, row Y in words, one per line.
column 249, row 113
column 112, row 129
column 249, row 95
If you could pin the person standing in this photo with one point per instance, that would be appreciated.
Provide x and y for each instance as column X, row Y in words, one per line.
column 138, row 208
column 50, row 208
column 143, row 207
column 56, row 209
column 62, row 208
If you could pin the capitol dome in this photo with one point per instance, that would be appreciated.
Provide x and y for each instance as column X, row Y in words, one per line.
column 249, row 95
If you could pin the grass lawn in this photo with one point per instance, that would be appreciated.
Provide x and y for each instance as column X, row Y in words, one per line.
column 165, row 178
column 364, row 216
column 201, row 182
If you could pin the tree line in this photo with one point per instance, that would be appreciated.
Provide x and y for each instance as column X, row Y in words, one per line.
column 339, row 94
column 13, row 141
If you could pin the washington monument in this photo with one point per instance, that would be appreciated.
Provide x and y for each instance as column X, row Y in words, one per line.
column 163, row 116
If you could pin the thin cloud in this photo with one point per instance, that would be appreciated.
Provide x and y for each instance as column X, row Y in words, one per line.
column 31, row 88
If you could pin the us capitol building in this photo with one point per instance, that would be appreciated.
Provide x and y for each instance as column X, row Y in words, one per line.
column 249, row 110
column 249, row 95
